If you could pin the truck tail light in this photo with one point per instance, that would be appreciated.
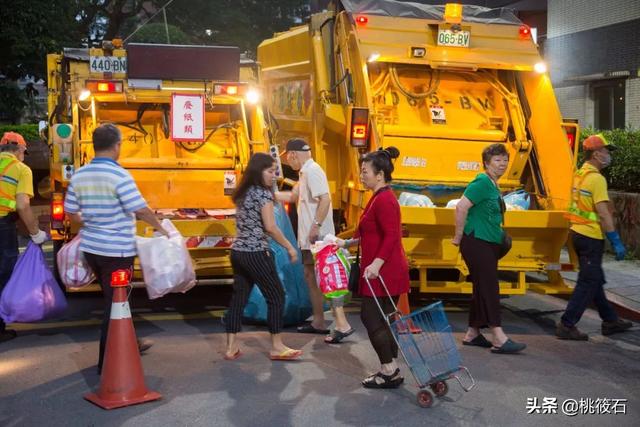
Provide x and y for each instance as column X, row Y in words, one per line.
column 570, row 127
column 225, row 90
column 525, row 32
column 359, row 127
column 361, row 20
column 57, row 211
column 104, row 86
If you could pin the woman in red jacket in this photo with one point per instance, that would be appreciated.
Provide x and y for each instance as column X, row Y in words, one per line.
column 380, row 237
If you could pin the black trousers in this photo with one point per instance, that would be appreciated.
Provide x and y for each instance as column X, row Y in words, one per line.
column 590, row 285
column 482, row 259
column 103, row 267
column 8, row 252
column 379, row 333
column 258, row 268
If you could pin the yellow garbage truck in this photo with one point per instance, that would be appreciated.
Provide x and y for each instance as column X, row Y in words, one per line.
column 440, row 83
column 188, row 124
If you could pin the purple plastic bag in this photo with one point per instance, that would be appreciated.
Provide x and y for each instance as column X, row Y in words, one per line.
column 32, row 293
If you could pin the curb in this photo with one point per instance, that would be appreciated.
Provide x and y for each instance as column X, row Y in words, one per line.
column 618, row 303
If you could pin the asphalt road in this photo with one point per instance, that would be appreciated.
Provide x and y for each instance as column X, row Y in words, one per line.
column 45, row 372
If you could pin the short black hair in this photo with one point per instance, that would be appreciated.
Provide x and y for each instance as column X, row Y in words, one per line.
column 105, row 137
column 381, row 161
column 491, row 151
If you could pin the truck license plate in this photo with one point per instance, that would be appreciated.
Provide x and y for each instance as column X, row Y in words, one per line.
column 450, row 38
column 108, row 64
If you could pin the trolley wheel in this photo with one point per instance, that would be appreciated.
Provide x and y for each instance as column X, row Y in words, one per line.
column 425, row 399
column 440, row 388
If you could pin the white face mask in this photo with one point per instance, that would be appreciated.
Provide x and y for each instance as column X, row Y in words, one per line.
column 605, row 159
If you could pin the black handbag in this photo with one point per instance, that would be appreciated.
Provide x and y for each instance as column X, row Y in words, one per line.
column 505, row 246
column 354, row 274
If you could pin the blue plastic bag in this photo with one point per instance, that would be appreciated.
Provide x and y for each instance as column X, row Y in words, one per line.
column 519, row 200
column 32, row 294
column 297, row 306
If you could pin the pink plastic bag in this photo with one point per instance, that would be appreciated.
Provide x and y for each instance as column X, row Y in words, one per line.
column 332, row 270
column 73, row 268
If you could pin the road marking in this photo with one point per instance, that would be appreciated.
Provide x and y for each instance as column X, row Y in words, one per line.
column 152, row 317
column 144, row 315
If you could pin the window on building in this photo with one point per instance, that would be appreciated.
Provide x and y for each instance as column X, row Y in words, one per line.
column 609, row 102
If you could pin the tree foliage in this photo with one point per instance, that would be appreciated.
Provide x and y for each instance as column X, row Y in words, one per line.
column 156, row 33
column 623, row 174
column 12, row 101
column 33, row 28
column 242, row 23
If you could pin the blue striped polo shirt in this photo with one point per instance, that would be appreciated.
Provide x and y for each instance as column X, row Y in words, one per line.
column 106, row 196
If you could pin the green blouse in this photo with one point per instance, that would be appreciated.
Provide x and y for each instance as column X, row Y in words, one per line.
column 484, row 218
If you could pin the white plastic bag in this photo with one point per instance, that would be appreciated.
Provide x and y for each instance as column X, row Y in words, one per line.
column 412, row 199
column 166, row 263
column 74, row 271
column 452, row 203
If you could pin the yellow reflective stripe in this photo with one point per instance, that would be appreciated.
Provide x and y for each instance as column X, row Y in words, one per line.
column 576, row 204
column 591, row 216
column 9, row 204
column 7, row 201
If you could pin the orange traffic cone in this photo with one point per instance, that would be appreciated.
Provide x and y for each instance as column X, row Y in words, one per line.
column 403, row 304
column 405, row 309
column 122, row 380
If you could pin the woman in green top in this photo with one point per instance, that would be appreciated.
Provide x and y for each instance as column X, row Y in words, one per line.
column 479, row 234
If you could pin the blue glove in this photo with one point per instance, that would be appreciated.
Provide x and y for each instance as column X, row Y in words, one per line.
column 617, row 245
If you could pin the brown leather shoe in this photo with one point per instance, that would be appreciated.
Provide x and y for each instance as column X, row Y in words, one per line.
column 144, row 345
column 609, row 328
column 570, row 333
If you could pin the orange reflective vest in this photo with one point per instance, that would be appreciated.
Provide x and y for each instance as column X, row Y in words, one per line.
column 7, row 201
column 579, row 212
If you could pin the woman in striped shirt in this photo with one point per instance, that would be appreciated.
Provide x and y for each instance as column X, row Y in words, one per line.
column 252, row 260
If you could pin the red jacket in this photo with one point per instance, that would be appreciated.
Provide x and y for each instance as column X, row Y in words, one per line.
column 381, row 237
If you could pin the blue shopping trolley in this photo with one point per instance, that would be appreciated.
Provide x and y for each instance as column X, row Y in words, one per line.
column 427, row 345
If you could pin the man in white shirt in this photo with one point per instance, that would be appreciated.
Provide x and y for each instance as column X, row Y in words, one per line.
column 315, row 220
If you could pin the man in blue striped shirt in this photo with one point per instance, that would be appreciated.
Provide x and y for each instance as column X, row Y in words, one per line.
column 103, row 197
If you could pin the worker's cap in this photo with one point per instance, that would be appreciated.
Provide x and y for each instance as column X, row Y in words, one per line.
column 297, row 144
column 596, row 142
column 12, row 138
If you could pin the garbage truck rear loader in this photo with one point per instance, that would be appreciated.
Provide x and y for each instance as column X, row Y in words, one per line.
column 440, row 83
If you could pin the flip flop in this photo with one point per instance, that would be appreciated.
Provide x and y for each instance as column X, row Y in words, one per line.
column 479, row 341
column 308, row 329
column 234, row 356
column 289, row 354
column 337, row 336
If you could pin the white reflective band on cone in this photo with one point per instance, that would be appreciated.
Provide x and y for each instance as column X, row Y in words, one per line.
column 120, row 310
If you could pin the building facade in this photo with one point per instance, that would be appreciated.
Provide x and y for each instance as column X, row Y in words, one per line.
column 593, row 51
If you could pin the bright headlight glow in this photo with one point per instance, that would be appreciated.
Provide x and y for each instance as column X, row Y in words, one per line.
column 540, row 67
column 84, row 95
column 252, row 96
column 373, row 57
